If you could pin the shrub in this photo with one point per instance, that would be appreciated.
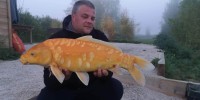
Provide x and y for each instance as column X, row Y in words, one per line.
column 155, row 62
column 8, row 54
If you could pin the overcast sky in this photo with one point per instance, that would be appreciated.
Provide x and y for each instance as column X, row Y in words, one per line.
column 147, row 13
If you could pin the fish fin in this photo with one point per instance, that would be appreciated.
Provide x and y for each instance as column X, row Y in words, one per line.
column 57, row 73
column 83, row 76
column 89, row 38
column 50, row 73
column 144, row 64
column 137, row 75
column 116, row 70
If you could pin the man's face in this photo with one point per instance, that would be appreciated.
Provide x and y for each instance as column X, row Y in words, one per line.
column 83, row 20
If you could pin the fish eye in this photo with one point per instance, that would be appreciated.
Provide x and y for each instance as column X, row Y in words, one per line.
column 32, row 54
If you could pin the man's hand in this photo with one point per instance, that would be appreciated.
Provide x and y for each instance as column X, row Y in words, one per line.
column 67, row 74
column 101, row 73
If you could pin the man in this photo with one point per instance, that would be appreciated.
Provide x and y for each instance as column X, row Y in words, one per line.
column 101, row 85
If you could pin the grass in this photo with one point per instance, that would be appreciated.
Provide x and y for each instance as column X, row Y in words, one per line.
column 145, row 39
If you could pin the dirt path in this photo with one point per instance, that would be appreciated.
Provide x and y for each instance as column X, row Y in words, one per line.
column 19, row 82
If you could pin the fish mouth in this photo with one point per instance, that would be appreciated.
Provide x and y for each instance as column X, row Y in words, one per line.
column 23, row 61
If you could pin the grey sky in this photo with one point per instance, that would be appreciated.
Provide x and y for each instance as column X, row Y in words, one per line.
column 147, row 13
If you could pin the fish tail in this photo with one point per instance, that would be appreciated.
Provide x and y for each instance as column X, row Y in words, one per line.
column 128, row 63
column 144, row 64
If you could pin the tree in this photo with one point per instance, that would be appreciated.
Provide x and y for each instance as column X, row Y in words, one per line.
column 108, row 26
column 171, row 12
column 181, row 41
column 148, row 32
column 186, row 27
column 40, row 26
column 163, row 39
column 127, row 27
column 55, row 23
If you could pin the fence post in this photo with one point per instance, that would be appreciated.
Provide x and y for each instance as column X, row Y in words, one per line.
column 161, row 65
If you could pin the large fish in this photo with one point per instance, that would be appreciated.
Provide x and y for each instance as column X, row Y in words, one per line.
column 83, row 55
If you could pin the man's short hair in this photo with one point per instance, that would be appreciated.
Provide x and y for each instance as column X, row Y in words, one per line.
column 82, row 2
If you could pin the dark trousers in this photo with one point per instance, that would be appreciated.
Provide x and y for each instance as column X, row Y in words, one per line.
column 109, row 90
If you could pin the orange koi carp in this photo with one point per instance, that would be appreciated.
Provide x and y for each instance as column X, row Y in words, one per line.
column 83, row 55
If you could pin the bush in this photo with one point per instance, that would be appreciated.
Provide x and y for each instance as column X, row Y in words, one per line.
column 170, row 45
column 182, row 68
column 182, row 63
column 8, row 54
column 155, row 62
column 165, row 42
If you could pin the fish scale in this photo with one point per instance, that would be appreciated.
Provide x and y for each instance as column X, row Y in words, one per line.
column 88, row 55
